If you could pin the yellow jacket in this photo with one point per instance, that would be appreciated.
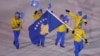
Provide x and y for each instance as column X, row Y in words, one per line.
column 37, row 16
column 81, row 33
column 15, row 22
column 61, row 28
column 78, row 19
column 83, row 20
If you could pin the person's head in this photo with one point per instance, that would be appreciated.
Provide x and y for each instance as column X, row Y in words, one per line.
column 40, row 11
column 80, row 13
column 61, row 16
column 36, row 12
column 17, row 15
column 66, row 19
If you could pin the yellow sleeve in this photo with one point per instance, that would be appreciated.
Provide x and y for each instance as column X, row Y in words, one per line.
column 73, row 15
column 83, row 21
column 21, row 21
column 37, row 16
column 13, row 23
column 84, row 35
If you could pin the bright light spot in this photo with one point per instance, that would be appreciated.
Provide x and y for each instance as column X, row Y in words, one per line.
column 45, row 18
column 40, row 21
column 36, row 25
column 35, row 28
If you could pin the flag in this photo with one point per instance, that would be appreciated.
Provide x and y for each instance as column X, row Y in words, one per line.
column 22, row 14
column 35, row 4
column 80, row 13
column 85, row 17
column 34, row 29
column 49, row 6
column 65, row 19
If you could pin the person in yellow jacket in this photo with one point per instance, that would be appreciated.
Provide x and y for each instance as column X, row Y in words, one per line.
column 16, row 25
column 78, row 42
column 78, row 18
column 61, row 33
column 37, row 14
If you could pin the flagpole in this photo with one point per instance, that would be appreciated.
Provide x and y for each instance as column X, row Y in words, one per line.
column 65, row 24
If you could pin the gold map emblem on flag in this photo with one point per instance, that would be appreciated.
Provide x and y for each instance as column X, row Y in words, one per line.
column 44, row 29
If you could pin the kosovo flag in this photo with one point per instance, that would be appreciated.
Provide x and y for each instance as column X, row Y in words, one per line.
column 35, row 4
column 49, row 6
column 49, row 18
column 22, row 14
column 85, row 17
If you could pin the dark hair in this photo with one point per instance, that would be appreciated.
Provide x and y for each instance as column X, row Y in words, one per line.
column 35, row 12
column 18, row 16
column 17, row 13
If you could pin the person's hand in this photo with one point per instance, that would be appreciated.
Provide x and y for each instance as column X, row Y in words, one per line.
column 67, row 11
column 73, row 32
column 85, row 23
column 52, row 11
column 67, row 30
column 86, row 41
column 18, row 25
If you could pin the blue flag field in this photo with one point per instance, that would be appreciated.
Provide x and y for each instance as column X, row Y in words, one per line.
column 34, row 29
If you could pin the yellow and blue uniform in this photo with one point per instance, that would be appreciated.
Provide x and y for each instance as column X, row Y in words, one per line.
column 15, row 22
column 61, row 34
column 80, row 32
column 61, row 28
column 78, row 42
column 78, row 19
column 16, row 25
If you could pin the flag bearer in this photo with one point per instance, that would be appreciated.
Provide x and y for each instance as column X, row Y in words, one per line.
column 61, row 33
